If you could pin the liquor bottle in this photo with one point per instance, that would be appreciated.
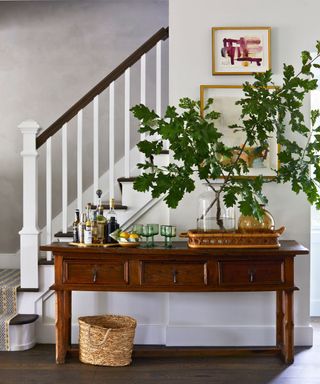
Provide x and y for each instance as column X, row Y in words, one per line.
column 101, row 220
column 82, row 227
column 88, row 229
column 94, row 228
column 111, row 213
column 112, row 222
column 75, row 226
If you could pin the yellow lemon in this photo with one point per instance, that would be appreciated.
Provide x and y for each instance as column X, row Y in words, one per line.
column 134, row 236
column 125, row 235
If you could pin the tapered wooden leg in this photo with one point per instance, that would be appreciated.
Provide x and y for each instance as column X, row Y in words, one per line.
column 67, row 318
column 280, row 318
column 288, row 347
column 60, row 328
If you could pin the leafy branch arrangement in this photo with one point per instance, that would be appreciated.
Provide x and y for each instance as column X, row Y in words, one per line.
column 198, row 147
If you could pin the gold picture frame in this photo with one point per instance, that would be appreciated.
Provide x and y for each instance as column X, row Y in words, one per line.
column 241, row 50
column 260, row 163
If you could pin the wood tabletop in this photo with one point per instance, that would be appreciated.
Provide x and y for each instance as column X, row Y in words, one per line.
column 180, row 247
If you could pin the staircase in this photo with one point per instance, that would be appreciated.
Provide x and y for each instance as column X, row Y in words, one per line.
column 70, row 160
column 69, row 136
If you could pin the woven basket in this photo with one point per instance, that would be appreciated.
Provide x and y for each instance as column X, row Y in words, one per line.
column 106, row 339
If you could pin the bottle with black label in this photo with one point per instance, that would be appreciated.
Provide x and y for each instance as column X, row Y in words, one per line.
column 75, row 226
column 112, row 222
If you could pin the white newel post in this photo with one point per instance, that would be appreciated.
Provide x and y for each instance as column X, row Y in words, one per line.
column 29, row 234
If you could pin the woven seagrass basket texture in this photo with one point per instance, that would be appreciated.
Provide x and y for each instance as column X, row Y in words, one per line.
column 106, row 339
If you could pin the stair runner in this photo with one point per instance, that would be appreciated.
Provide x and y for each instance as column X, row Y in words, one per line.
column 9, row 282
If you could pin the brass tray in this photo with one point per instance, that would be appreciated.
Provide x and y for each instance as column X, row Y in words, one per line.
column 236, row 239
column 82, row 245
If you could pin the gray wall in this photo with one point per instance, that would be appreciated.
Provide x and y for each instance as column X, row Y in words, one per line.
column 51, row 53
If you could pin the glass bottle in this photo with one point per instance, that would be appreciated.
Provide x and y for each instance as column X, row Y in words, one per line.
column 251, row 224
column 112, row 223
column 111, row 227
column 82, row 227
column 94, row 228
column 75, row 226
column 111, row 213
column 101, row 220
column 213, row 215
column 88, row 229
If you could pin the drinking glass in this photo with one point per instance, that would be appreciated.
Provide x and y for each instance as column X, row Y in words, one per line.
column 137, row 228
column 168, row 231
column 155, row 231
column 147, row 232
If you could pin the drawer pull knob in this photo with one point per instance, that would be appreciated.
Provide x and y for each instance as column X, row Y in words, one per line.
column 174, row 275
column 94, row 275
column 251, row 276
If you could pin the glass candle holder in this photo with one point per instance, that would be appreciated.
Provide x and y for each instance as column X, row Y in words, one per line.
column 168, row 231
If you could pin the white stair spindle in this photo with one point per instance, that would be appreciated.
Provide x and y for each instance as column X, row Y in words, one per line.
column 142, row 95
column 127, row 123
column 158, row 78
column 29, row 234
column 111, row 140
column 95, row 148
column 64, row 179
column 49, row 195
column 79, row 159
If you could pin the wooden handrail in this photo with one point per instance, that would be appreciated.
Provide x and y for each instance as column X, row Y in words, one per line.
column 162, row 34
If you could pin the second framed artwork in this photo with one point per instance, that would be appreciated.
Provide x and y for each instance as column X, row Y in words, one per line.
column 240, row 50
column 261, row 159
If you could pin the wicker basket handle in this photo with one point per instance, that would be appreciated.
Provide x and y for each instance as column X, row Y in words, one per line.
column 100, row 342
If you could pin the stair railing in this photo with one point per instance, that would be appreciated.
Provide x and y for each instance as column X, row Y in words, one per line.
column 29, row 235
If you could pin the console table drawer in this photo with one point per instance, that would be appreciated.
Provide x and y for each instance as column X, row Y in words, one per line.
column 243, row 272
column 113, row 272
column 166, row 273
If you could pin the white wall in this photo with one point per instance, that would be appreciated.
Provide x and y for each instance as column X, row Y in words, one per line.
column 190, row 65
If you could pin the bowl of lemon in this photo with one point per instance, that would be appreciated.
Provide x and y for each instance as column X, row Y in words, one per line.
column 126, row 238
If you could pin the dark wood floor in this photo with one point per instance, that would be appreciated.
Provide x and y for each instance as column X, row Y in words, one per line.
column 37, row 366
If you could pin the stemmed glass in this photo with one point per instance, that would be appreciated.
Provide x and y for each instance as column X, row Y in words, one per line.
column 168, row 231
column 155, row 231
column 147, row 232
column 137, row 228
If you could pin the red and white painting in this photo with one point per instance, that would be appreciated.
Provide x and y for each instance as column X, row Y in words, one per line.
column 240, row 50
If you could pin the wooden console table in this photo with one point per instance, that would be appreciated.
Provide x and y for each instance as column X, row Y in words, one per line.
column 179, row 269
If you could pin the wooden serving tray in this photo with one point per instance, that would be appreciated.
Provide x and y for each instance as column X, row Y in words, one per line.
column 236, row 239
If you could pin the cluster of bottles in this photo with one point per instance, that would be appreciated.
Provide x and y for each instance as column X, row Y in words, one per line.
column 94, row 227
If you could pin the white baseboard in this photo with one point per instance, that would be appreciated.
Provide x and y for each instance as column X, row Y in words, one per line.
column 175, row 335
column 9, row 260
column 238, row 336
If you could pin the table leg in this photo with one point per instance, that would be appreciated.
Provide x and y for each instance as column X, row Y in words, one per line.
column 288, row 342
column 67, row 318
column 60, row 328
column 280, row 315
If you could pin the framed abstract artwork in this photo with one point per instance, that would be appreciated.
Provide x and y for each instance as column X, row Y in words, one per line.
column 261, row 159
column 240, row 50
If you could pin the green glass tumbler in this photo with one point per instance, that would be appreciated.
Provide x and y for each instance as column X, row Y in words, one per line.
column 168, row 231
